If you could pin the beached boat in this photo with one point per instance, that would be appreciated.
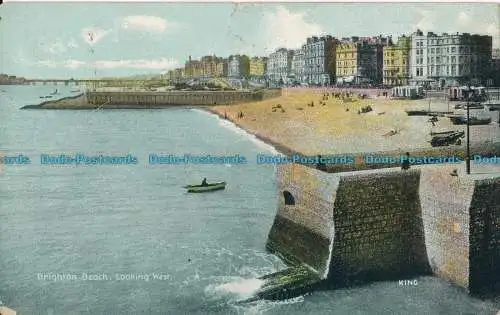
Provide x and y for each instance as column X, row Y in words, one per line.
column 417, row 112
column 438, row 133
column 492, row 105
column 205, row 188
column 447, row 139
column 474, row 120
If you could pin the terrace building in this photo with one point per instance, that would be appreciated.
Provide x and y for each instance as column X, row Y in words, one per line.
column 279, row 64
column 212, row 66
column 450, row 59
column 396, row 69
column 360, row 60
column 298, row 67
column 257, row 67
column 320, row 56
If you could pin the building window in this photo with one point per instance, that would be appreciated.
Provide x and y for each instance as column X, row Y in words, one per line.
column 453, row 49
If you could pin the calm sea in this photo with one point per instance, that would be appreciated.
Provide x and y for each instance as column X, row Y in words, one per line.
column 152, row 248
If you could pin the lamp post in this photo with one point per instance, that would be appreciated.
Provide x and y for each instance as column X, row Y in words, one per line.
column 467, row 158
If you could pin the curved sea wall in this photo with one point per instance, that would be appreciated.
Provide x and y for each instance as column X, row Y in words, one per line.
column 346, row 225
column 140, row 100
column 179, row 97
column 389, row 224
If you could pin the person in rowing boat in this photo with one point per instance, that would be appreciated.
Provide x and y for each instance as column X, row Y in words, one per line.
column 204, row 182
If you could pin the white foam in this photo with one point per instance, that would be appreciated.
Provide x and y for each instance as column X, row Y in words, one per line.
column 330, row 250
column 234, row 128
column 240, row 288
column 262, row 306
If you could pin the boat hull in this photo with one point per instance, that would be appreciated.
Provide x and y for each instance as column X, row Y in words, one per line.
column 206, row 188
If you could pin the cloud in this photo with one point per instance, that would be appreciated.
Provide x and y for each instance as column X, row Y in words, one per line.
column 72, row 43
column 73, row 64
column 152, row 64
column 463, row 23
column 162, row 63
column 147, row 23
column 54, row 47
column 426, row 22
column 283, row 28
column 47, row 63
column 92, row 35
column 468, row 24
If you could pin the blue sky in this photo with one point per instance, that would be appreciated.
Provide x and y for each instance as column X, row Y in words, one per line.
column 115, row 39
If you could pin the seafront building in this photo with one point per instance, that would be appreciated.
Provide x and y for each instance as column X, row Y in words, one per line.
column 396, row 60
column 238, row 66
column 494, row 79
column 175, row 75
column 257, row 67
column 360, row 60
column 298, row 67
column 213, row 66
column 279, row 64
column 206, row 67
column 320, row 56
column 11, row 79
column 429, row 60
column 450, row 59
column 193, row 68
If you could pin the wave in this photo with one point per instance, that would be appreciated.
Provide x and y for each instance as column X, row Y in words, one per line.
column 236, row 289
column 240, row 131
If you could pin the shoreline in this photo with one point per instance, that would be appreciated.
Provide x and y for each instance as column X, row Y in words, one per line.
column 359, row 164
column 280, row 148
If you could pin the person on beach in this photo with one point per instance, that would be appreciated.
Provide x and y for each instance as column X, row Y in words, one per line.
column 204, row 182
column 405, row 165
column 320, row 165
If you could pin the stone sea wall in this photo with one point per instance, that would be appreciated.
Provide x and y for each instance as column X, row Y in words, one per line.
column 349, row 223
column 378, row 226
column 445, row 204
column 390, row 224
column 302, row 230
column 484, row 253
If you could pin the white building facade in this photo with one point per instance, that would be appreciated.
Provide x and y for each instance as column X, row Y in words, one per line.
column 233, row 68
column 298, row 69
column 279, row 65
column 320, row 60
column 450, row 59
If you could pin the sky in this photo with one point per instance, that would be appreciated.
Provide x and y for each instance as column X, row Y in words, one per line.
column 84, row 40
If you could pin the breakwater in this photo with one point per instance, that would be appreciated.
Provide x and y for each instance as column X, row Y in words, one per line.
column 148, row 99
column 390, row 224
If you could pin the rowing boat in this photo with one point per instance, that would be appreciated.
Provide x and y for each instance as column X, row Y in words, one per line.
column 205, row 188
